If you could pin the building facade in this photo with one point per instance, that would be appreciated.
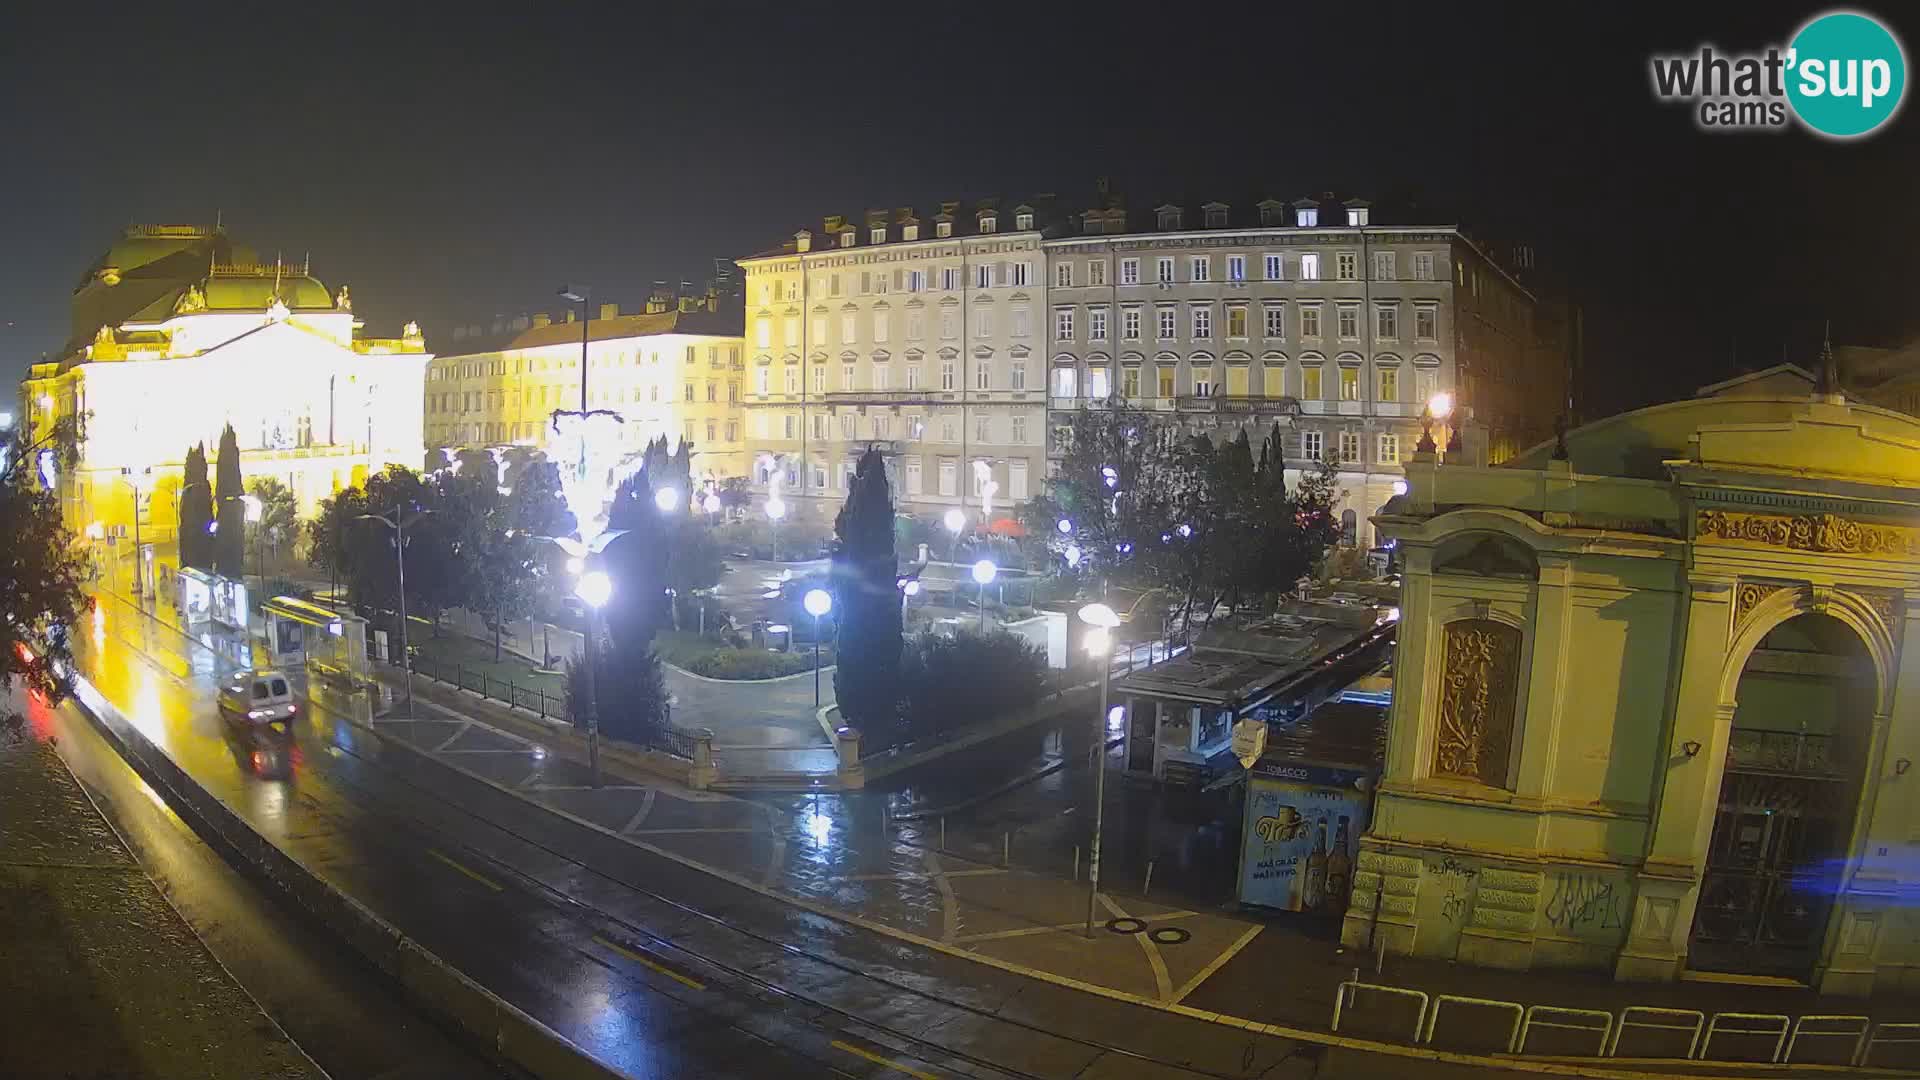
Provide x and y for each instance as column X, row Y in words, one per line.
column 675, row 370
column 920, row 336
column 960, row 342
column 177, row 333
column 1653, row 710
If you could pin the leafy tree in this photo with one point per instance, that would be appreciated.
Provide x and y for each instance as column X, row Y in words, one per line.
column 507, row 552
column 41, row 566
column 361, row 551
column 867, row 604
column 279, row 515
column 230, row 537
column 630, row 693
column 637, row 563
column 196, row 512
column 953, row 682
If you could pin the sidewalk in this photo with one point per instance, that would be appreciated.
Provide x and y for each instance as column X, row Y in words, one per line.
column 102, row 977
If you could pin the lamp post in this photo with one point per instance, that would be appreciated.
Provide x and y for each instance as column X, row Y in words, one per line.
column 594, row 588
column 1440, row 407
column 776, row 509
column 983, row 574
column 1100, row 643
column 255, row 510
column 399, row 524
column 133, row 476
column 817, row 602
column 582, row 295
column 955, row 520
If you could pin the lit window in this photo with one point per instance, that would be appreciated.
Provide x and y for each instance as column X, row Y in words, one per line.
column 1130, row 382
column 1237, row 321
column 1423, row 266
column 942, row 229
column 1389, row 384
column 1065, row 382
column 1310, row 388
column 879, row 234
column 1310, row 266
column 1023, row 221
column 1307, row 217
column 1349, row 384
column 1349, row 446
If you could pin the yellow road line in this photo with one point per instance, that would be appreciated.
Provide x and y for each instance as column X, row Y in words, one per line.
column 475, row 875
column 650, row 964
column 1218, row 962
column 878, row 1060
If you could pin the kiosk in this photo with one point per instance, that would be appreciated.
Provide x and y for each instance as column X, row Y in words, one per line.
column 327, row 642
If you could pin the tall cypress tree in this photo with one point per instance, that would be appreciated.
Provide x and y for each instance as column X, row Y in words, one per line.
column 867, row 601
column 196, row 512
column 230, row 540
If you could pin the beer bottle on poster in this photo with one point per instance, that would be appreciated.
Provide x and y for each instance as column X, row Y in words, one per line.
column 1313, row 892
column 1339, row 868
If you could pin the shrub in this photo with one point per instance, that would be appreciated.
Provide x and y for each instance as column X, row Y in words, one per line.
column 953, row 682
column 630, row 694
column 702, row 656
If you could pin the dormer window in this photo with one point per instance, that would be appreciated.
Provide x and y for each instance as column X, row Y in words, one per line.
column 1272, row 214
column 1169, row 217
column 909, row 232
column 1356, row 215
column 1216, row 217
column 1307, row 217
column 879, row 234
column 1023, row 221
column 989, row 223
column 846, row 237
column 943, row 229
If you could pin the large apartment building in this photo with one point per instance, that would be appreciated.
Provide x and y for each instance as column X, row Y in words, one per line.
column 960, row 342
column 673, row 369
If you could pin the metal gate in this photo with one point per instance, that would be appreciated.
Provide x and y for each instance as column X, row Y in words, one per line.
column 1779, row 840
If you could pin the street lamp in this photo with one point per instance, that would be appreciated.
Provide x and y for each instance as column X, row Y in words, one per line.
column 594, row 589
column 583, row 296
column 132, row 476
column 983, row 574
column 817, row 602
column 1100, row 643
column 955, row 521
column 399, row 525
column 667, row 499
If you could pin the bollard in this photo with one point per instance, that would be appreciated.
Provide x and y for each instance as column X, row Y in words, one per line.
column 1076, row 862
column 1148, row 887
column 1006, row 849
column 943, row 832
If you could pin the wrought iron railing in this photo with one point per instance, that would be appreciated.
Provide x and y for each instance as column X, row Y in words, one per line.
column 539, row 701
column 1792, row 752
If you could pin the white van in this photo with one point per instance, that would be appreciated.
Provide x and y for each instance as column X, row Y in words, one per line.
column 261, row 696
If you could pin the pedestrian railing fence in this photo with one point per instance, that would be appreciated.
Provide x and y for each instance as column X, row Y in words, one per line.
column 1636, row 1031
column 546, row 704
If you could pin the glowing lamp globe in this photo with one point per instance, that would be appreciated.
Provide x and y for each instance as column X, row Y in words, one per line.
column 984, row 571
column 666, row 499
column 1065, row 527
column 955, row 521
column 818, row 602
column 711, row 504
column 595, row 588
column 776, row 509
column 1440, row 405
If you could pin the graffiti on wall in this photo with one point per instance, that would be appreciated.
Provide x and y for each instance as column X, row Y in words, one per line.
column 1585, row 901
column 1455, row 881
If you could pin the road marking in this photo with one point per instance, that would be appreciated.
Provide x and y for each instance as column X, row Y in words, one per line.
column 995, row 935
column 649, row 963
column 1161, row 980
column 475, row 875
column 640, row 815
column 878, row 1060
column 949, row 903
column 1218, row 962
column 717, row 829
column 451, row 739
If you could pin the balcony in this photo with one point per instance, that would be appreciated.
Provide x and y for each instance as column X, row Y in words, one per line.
column 876, row 397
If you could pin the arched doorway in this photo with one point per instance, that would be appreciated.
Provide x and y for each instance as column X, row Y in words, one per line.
column 1787, row 800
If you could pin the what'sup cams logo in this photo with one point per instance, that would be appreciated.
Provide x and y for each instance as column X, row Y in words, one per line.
column 1843, row 76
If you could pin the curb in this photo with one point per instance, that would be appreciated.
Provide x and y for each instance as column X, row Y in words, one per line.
column 499, row 1029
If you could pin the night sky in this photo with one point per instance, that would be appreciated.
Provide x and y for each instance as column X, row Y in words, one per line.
column 451, row 167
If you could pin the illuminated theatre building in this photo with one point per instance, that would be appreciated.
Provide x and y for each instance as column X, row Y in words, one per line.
column 178, row 332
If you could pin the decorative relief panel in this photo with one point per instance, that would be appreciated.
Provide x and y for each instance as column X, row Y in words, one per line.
column 1478, row 683
column 1808, row 532
column 1748, row 597
column 1884, row 605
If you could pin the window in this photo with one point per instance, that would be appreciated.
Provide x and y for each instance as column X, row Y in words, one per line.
column 1096, row 271
column 1386, row 322
column 1236, row 268
column 1199, row 268
column 1310, row 266
column 1349, row 446
column 819, row 476
column 791, row 421
column 878, row 235
column 1423, row 266
column 1310, row 321
column 914, row 481
column 1023, row 221
column 946, row 375
column 713, row 430
column 733, row 431
column 819, row 425
column 833, row 284
column 982, row 473
column 983, row 323
column 1310, row 388
column 983, row 276
column 1016, row 479
column 1130, row 324
column 950, row 277
column 913, row 376
column 947, row 431
column 1203, row 382
column 943, row 229
column 1017, row 374
column 916, row 326
column 793, row 290
column 793, row 331
column 1097, row 324
column 1130, row 382
column 1163, row 381
column 1063, row 324
column 848, row 426
column 1097, row 386
column 879, row 376
column 763, row 333
column 1275, row 321
column 880, row 322
column 820, row 378
column 1163, row 269
column 983, row 428
column 1272, row 267
column 1237, row 321
column 1129, row 271
column 1066, row 382
column 1346, row 266
column 733, row 390
column 1063, row 275
column 1020, row 322
column 690, row 354
column 1425, row 323
column 1019, row 272
column 1349, row 384
column 909, row 232
column 760, row 376
column 949, row 325
column 1424, row 384
column 1349, row 322
column 1202, row 323
column 792, row 380
column 1389, row 380
column 916, row 281
column 982, row 374
column 1310, row 443
column 1167, row 322
column 713, row 391
column 1389, row 449
column 1307, row 217
column 1383, row 266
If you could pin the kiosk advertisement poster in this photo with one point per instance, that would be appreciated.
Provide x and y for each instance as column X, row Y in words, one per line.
column 1303, row 826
